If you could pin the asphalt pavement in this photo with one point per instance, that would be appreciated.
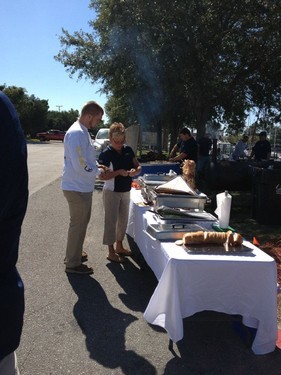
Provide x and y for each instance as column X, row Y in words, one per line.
column 77, row 324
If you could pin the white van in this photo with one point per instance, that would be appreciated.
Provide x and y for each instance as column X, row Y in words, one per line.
column 101, row 139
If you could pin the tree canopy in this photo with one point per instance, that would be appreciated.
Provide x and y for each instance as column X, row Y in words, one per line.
column 186, row 62
column 34, row 113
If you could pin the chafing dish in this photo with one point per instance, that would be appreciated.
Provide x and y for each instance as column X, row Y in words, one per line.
column 197, row 201
column 157, row 179
column 167, row 215
column 149, row 181
column 171, row 232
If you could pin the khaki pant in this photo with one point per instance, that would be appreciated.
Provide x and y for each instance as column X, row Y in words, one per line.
column 116, row 212
column 80, row 206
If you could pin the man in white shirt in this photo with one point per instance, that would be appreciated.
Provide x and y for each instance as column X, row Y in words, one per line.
column 240, row 148
column 78, row 182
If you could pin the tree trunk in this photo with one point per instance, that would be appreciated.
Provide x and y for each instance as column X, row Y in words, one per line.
column 159, row 136
column 175, row 127
column 202, row 117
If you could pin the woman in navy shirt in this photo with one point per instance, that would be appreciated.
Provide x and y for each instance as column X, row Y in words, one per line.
column 122, row 167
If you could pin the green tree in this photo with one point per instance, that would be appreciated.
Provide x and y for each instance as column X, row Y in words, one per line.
column 32, row 111
column 61, row 120
column 119, row 110
column 189, row 63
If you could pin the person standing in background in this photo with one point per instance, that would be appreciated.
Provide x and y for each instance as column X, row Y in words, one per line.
column 262, row 148
column 13, row 204
column 203, row 165
column 122, row 167
column 187, row 147
column 78, row 182
column 240, row 148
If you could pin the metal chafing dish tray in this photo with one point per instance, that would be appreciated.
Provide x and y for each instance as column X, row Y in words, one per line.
column 149, row 181
column 167, row 215
column 156, row 179
column 171, row 232
column 179, row 200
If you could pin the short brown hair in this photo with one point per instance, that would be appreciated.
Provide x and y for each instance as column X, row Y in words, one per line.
column 92, row 108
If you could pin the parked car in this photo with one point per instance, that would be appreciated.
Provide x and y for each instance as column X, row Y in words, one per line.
column 51, row 135
column 101, row 139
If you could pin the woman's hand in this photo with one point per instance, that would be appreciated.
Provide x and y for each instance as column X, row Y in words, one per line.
column 132, row 172
column 104, row 167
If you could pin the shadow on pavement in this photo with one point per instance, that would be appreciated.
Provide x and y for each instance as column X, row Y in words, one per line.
column 104, row 328
column 213, row 343
column 219, row 344
column 138, row 281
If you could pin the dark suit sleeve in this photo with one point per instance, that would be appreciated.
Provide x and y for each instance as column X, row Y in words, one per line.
column 13, row 203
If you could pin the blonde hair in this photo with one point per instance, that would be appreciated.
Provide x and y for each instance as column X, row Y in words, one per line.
column 117, row 130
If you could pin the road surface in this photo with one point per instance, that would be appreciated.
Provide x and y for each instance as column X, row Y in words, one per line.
column 45, row 162
column 94, row 325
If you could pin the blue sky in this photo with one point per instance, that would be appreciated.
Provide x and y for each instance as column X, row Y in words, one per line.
column 29, row 40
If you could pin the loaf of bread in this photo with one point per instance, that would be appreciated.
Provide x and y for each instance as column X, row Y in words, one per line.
column 192, row 238
column 237, row 239
column 218, row 238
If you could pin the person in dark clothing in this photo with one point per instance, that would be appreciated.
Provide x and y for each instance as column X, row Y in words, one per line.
column 262, row 148
column 13, row 203
column 187, row 147
column 204, row 147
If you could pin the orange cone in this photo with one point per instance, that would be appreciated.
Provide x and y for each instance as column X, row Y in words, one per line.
column 256, row 242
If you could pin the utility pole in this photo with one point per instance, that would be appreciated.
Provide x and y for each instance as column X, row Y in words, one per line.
column 59, row 107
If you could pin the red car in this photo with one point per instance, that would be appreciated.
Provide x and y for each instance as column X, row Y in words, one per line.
column 51, row 135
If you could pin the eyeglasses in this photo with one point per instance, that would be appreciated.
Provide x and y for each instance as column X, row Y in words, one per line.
column 118, row 141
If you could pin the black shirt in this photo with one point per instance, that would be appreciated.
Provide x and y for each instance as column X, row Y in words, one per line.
column 190, row 148
column 261, row 149
column 205, row 145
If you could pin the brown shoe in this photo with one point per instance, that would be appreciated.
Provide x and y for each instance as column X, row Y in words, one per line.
column 82, row 270
column 84, row 257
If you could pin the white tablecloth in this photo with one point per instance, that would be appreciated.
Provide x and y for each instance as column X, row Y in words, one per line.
column 189, row 283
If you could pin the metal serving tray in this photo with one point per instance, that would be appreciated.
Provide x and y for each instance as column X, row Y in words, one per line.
column 152, row 180
column 159, row 177
column 180, row 200
column 171, row 232
column 210, row 249
column 194, row 216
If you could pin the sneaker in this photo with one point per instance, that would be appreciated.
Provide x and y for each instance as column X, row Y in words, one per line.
column 82, row 269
